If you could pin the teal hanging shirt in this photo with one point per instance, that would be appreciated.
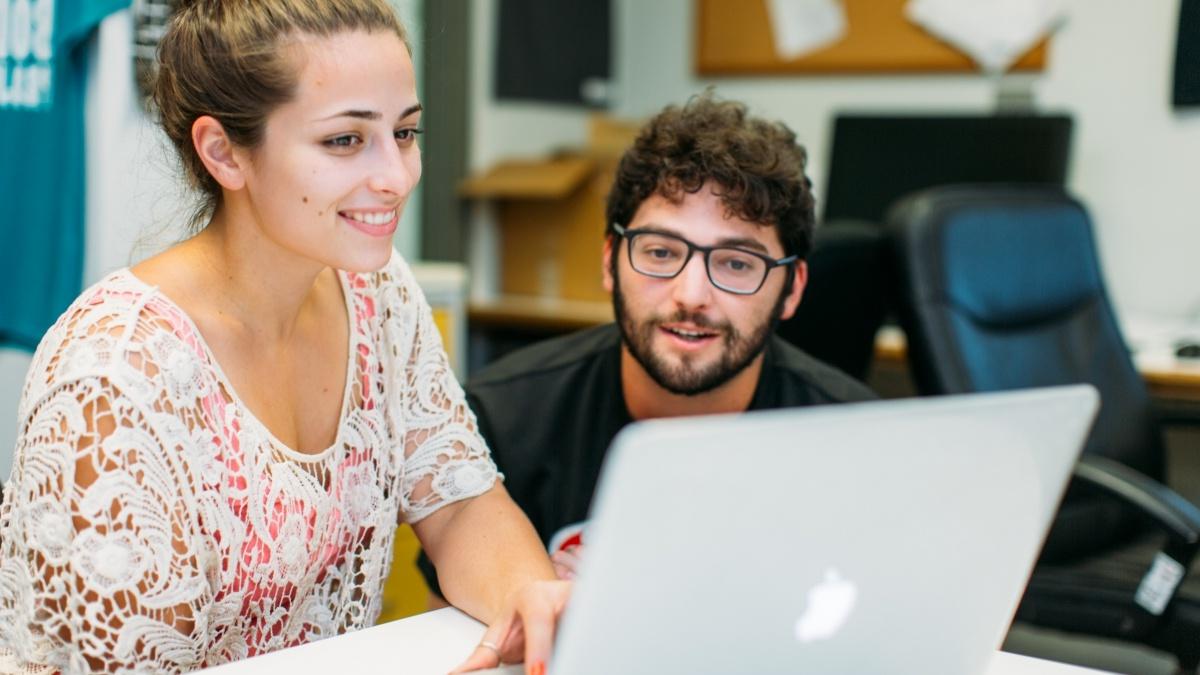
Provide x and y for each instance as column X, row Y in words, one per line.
column 43, row 72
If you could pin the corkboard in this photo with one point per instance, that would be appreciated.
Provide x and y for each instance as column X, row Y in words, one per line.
column 733, row 37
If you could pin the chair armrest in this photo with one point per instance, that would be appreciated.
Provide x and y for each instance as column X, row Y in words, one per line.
column 1179, row 517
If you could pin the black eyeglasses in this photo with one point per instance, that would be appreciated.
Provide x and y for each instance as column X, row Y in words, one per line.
column 730, row 269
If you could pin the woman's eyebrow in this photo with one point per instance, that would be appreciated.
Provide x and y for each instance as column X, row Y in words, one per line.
column 356, row 114
column 372, row 115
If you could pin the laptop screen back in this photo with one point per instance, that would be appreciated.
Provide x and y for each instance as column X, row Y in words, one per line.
column 885, row 537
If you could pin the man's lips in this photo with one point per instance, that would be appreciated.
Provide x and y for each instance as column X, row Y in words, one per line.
column 689, row 333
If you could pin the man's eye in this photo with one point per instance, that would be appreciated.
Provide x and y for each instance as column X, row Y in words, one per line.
column 740, row 265
column 659, row 253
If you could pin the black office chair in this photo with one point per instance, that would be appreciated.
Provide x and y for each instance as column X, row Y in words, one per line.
column 1000, row 289
column 849, row 291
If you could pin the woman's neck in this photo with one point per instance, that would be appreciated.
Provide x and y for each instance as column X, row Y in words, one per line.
column 233, row 274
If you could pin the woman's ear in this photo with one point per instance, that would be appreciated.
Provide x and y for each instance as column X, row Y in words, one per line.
column 217, row 152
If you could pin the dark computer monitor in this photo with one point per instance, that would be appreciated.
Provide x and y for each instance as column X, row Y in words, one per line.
column 876, row 159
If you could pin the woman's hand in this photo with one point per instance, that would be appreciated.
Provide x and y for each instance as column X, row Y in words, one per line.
column 566, row 562
column 524, row 629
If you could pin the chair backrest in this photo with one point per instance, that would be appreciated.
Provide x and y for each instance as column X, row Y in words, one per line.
column 1001, row 288
column 849, row 291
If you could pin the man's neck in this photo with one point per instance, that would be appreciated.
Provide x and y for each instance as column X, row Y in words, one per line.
column 646, row 399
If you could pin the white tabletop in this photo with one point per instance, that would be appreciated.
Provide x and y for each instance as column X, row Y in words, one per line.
column 437, row 641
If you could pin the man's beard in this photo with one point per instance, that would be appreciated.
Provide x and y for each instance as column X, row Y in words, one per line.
column 685, row 379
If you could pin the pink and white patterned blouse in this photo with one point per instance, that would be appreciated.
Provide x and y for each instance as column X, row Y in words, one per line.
column 152, row 523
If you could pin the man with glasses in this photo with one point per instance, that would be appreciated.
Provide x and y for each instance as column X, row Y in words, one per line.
column 710, row 219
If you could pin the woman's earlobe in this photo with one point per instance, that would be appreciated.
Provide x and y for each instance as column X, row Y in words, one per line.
column 217, row 152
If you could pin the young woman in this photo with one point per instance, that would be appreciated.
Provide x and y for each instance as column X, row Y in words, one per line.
column 217, row 444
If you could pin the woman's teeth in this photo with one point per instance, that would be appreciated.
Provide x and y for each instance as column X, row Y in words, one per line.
column 371, row 218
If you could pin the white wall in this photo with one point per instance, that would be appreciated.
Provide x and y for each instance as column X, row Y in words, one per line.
column 1133, row 160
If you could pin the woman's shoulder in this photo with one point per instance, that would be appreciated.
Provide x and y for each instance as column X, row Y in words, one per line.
column 105, row 333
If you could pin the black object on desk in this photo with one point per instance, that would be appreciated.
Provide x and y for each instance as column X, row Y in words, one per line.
column 1187, row 350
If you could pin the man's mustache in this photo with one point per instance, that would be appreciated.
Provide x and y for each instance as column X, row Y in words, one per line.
column 698, row 320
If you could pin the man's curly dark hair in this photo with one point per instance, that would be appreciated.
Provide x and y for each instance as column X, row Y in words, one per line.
column 756, row 168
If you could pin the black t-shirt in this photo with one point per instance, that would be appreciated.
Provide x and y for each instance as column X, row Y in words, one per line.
column 549, row 412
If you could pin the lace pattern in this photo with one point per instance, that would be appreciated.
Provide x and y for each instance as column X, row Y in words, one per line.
column 152, row 523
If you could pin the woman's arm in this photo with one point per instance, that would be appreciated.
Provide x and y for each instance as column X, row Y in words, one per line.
column 483, row 548
column 492, row 565
column 97, row 545
column 489, row 559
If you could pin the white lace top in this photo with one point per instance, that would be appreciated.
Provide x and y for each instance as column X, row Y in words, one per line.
column 152, row 524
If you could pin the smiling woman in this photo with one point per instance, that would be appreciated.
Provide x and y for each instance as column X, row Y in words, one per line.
column 353, row 158
column 216, row 445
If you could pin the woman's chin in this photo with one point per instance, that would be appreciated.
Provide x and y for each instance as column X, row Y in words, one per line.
column 366, row 262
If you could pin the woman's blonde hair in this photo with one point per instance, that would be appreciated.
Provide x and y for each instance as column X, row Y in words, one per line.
column 230, row 59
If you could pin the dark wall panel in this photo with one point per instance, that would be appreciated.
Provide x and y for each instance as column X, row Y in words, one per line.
column 547, row 49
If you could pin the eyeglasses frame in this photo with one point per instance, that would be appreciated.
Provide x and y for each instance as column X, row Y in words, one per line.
column 772, row 263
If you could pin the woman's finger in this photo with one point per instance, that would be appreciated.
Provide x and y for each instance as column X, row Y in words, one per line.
column 539, row 609
column 512, row 649
column 479, row 659
column 488, row 652
column 566, row 563
column 563, row 572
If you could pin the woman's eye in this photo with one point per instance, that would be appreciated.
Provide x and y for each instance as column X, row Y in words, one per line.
column 408, row 135
column 343, row 141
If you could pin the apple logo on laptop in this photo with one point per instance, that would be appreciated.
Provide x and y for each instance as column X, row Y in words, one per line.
column 827, row 607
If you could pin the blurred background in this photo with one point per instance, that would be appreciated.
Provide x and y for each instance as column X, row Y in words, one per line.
column 529, row 102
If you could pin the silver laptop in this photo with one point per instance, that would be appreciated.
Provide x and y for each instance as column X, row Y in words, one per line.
column 891, row 537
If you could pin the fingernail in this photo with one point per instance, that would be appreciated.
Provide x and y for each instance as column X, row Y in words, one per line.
column 538, row 668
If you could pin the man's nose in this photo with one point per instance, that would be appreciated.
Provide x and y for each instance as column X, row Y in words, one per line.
column 692, row 287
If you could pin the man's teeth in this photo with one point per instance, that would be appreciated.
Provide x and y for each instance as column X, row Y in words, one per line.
column 372, row 218
column 688, row 333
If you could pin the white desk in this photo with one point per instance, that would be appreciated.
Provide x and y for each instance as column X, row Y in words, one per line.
column 437, row 641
